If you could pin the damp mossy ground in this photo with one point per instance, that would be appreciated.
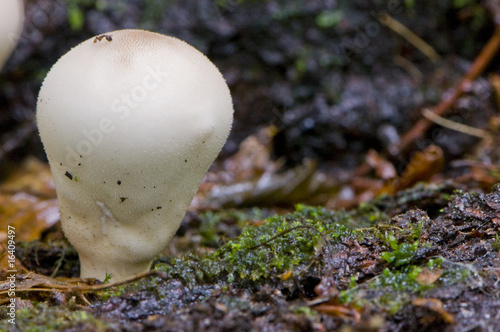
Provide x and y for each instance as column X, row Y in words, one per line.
column 370, row 260
column 43, row 317
column 284, row 245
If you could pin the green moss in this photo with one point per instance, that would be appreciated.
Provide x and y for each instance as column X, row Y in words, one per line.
column 404, row 277
column 282, row 244
column 409, row 3
column 396, row 287
column 455, row 273
column 393, row 288
column 304, row 310
column 113, row 292
column 42, row 317
column 291, row 243
column 496, row 243
column 402, row 254
column 329, row 18
column 76, row 18
column 401, row 280
column 76, row 11
column 214, row 225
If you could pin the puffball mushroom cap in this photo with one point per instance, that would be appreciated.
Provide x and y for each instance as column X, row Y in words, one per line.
column 11, row 26
column 131, row 122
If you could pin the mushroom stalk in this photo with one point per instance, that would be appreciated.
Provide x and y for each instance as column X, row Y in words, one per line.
column 130, row 121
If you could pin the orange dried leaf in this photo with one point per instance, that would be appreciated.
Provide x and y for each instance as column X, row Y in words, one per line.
column 341, row 311
column 28, row 214
column 428, row 277
column 33, row 177
column 287, row 275
column 383, row 168
column 436, row 306
column 422, row 166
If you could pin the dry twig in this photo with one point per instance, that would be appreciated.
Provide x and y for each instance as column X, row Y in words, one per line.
column 483, row 59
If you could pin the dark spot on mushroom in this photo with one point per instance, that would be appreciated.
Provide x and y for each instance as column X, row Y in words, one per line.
column 68, row 174
column 185, row 160
column 158, row 207
column 99, row 38
column 60, row 164
column 79, row 164
column 203, row 142
column 119, row 182
column 81, row 156
column 122, row 199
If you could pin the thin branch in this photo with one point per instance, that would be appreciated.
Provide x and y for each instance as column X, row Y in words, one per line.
column 67, row 287
column 412, row 38
column 460, row 127
column 483, row 59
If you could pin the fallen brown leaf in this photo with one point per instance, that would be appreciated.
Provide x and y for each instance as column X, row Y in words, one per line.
column 428, row 277
column 436, row 306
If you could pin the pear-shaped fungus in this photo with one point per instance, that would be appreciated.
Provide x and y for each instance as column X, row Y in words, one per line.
column 130, row 121
column 11, row 26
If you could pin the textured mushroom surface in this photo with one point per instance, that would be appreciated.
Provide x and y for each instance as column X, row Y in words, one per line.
column 130, row 121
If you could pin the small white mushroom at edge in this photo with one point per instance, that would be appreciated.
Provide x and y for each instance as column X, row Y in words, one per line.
column 11, row 26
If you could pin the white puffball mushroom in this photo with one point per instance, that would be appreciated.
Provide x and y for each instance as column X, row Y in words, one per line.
column 11, row 26
column 130, row 121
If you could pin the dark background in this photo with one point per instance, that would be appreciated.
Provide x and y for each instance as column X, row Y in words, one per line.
column 325, row 73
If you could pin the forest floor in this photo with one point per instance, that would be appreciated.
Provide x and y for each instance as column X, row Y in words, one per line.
column 337, row 204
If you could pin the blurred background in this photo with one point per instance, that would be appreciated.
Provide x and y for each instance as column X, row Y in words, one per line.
column 329, row 97
column 321, row 88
